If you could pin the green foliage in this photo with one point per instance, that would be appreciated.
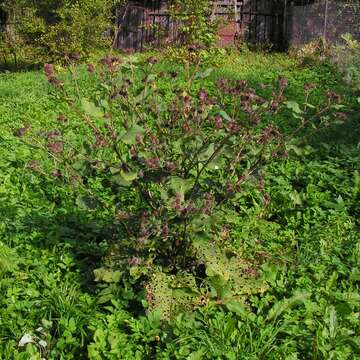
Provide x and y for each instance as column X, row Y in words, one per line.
column 180, row 167
column 346, row 57
column 44, row 31
column 197, row 21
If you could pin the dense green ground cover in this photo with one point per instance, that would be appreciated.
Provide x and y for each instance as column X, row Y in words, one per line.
column 307, row 241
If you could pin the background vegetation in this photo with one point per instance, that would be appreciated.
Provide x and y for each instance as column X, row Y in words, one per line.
column 48, row 30
column 194, row 203
column 62, row 276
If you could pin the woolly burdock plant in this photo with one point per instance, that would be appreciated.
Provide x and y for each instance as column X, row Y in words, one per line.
column 173, row 171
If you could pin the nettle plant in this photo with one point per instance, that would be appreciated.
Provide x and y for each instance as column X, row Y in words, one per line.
column 179, row 166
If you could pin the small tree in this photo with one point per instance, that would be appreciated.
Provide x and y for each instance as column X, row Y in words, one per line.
column 48, row 29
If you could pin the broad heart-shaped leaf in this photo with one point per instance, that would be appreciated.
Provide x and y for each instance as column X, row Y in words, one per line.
column 129, row 137
column 179, row 185
column 197, row 355
column 107, row 275
column 86, row 202
column 123, row 178
column 91, row 109
column 294, row 106
column 205, row 154
column 129, row 176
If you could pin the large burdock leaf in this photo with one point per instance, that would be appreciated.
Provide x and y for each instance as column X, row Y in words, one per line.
column 86, row 202
column 129, row 137
column 91, row 109
column 180, row 186
column 107, row 275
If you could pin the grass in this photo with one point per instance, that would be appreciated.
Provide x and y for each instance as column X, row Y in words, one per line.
column 309, row 238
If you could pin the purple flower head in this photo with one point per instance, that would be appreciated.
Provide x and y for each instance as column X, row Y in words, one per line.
column 274, row 105
column 134, row 261
column 53, row 80
column 341, row 116
column 222, row 84
column 186, row 127
column 33, row 165
column 165, row 230
column 61, row 118
column 56, row 147
column 54, row 134
column 218, row 122
column 240, row 85
column 333, row 96
column 74, row 56
column 190, row 208
column 152, row 60
column 209, row 202
column 176, row 205
column 267, row 134
column 230, row 188
column 233, row 127
column 57, row 173
column 49, row 70
column 22, row 131
column 309, row 86
column 91, row 68
column 283, row 82
column 152, row 163
column 110, row 61
column 203, row 96
column 170, row 165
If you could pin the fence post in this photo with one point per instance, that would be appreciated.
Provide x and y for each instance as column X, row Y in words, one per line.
column 284, row 37
column 325, row 19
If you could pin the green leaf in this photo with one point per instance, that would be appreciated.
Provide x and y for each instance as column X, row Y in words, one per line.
column 204, row 74
column 236, row 307
column 205, row 154
column 332, row 322
column 71, row 325
column 106, row 275
column 286, row 304
column 296, row 198
column 129, row 176
column 91, row 109
column 86, row 202
column 179, row 185
column 197, row 355
column 294, row 107
column 298, row 151
column 129, row 137
column 225, row 115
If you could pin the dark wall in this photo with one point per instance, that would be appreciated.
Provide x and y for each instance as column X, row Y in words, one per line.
column 308, row 22
column 3, row 17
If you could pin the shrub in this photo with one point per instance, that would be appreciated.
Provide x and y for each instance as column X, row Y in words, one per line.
column 172, row 172
column 48, row 30
column 197, row 23
column 346, row 57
